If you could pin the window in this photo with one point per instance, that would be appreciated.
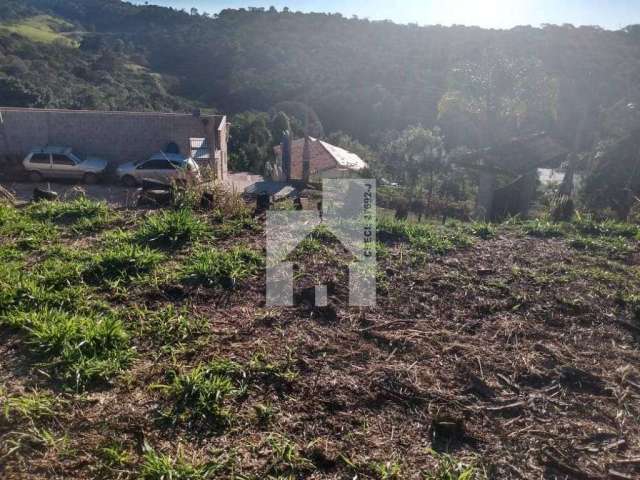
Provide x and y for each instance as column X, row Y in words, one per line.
column 199, row 148
column 156, row 165
column 63, row 160
column 40, row 158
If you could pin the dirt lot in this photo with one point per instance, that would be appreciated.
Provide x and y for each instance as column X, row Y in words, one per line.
column 115, row 195
column 507, row 352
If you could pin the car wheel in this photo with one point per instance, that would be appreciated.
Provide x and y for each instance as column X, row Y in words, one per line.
column 35, row 177
column 90, row 178
column 129, row 181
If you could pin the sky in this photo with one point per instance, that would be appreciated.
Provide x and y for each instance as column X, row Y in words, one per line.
column 610, row 14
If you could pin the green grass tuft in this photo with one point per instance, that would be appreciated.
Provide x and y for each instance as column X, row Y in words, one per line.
column 424, row 237
column 607, row 228
column 27, row 232
column 158, row 466
column 542, row 229
column 31, row 406
column 222, row 268
column 122, row 263
column 171, row 229
column 82, row 214
column 201, row 392
column 80, row 349
column 450, row 469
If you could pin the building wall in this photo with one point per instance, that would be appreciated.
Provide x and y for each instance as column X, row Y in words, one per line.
column 118, row 137
column 320, row 159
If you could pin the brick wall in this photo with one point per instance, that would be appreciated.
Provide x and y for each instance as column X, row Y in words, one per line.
column 320, row 158
column 118, row 137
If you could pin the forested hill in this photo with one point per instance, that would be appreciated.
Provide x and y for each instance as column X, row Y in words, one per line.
column 364, row 78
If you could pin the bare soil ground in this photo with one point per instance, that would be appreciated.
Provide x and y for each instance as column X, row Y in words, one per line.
column 515, row 355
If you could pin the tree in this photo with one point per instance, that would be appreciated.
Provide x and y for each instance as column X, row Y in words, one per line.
column 613, row 182
column 251, row 142
column 493, row 100
column 419, row 155
column 281, row 124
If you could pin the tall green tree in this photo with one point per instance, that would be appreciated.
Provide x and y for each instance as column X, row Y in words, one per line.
column 419, row 157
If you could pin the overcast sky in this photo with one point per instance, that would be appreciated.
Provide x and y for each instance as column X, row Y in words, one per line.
column 612, row 14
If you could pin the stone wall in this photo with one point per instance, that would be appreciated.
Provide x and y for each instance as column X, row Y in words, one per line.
column 118, row 137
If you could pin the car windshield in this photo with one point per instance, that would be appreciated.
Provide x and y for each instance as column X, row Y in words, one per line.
column 76, row 157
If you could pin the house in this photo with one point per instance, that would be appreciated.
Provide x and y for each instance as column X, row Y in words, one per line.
column 118, row 137
column 325, row 161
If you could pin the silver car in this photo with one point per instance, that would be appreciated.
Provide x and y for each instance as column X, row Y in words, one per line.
column 62, row 162
column 162, row 167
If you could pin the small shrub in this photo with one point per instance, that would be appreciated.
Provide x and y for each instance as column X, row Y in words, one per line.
column 222, row 268
column 171, row 229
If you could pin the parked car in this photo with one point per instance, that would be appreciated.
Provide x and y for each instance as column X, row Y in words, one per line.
column 161, row 167
column 62, row 162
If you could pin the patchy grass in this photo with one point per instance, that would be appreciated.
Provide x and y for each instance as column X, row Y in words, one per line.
column 159, row 466
column 482, row 230
column 236, row 226
column 171, row 229
column 41, row 28
column 222, row 268
column 28, row 233
column 122, row 263
column 450, row 469
column 611, row 246
column 82, row 215
column 286, row 456
column 586, row 225
column 541, row 228
column 31, row 406
column 248, row 391
column 201, row 393
column 25, row 292
column 168, row 326
column 79, row 349
column 423, row 237
column 390, row 470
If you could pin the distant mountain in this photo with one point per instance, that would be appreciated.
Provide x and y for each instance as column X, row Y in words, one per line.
column 365, row 78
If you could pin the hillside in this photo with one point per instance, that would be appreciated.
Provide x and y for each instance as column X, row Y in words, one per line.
column 363, row 78
column 137, row 344
column 137, row 340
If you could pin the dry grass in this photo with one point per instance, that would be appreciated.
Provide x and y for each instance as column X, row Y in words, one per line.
column 503, row 355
